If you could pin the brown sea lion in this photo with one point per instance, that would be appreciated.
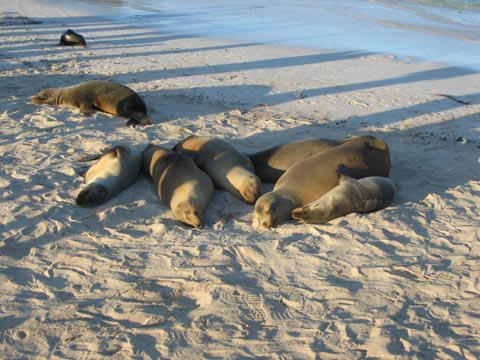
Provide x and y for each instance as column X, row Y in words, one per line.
column 309, row 179
column 117, row 168
column 350, row 195
column 179, row 182
column 71, row 38
column 271, row 163
column 93, row 95
column 229, row 169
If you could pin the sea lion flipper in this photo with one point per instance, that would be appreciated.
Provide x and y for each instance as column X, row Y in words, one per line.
column 343, row 173
column 118, row 150
column 87, row 108
column 91, row 157
column 139, row 119
column 83, row 171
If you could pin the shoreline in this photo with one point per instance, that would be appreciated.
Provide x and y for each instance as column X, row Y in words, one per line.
column 422, row 39
column 126, row 280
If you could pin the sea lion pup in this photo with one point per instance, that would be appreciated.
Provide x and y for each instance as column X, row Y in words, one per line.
column 271, row 163
column 229, row 169
column 71, row 38
column 117, row 168
column 350, row 195
column 309, row 179
column 93, row 95
column 179, row 183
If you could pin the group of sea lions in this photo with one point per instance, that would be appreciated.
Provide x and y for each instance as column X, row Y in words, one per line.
column 316, row 180
column 341, row 177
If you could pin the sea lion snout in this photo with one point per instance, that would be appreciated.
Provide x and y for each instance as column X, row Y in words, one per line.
column 92, row 195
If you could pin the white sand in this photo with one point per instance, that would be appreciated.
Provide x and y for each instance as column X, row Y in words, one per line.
column 125, row 280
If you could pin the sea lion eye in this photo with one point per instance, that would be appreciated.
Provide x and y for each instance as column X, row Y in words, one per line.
column 272, row 207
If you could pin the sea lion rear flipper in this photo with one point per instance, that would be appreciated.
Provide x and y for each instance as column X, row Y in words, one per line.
column 83, row 171
column 91, row 157
column 343, row 173
column 119, row 150
column 136, row 119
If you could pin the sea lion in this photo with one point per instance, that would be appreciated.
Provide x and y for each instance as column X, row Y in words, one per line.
column 71, row 38
column 350, row 195
column 271, row 163
column 179, row 183
column 309, row 179
column 229, row 169
column 116, row 169
column 106, row 96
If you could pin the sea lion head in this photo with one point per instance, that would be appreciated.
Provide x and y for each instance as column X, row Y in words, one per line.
column 188, row 214
column 251, row 189
column 71, row 38
column 317, row 212
column 271, row 209
column 92, row 195
column 45, row 96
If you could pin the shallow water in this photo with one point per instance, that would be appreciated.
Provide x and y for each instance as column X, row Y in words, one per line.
column 445, row 31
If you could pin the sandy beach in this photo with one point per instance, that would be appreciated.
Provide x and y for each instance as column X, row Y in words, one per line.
column 124, row 280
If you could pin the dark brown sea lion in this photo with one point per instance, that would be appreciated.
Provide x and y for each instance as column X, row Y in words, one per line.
column 71, row 38
column 309, row 179
column 93, row 95
column 271, row 163
column 180, row 184
column 229, row 169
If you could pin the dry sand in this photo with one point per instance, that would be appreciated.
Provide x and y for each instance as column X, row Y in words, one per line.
column 126, row 281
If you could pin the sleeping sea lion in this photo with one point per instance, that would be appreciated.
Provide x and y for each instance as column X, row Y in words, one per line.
column 350, row 195
column 106, row 96
column 271, row 163
column 179, row 182
column 229, row 169
column 117, row 168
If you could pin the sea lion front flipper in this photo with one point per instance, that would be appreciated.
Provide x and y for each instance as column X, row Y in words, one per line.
column 87, row 108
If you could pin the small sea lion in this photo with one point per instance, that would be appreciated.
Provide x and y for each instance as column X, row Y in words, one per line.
column 179, row 183
column 271, row 163
column 71, row 38
column 116, row 169
column 309, row 179
column 93, row 95
column 229, row 169
column 350, row 195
